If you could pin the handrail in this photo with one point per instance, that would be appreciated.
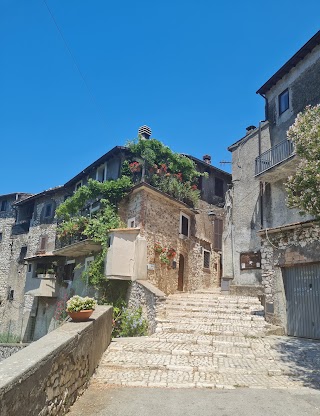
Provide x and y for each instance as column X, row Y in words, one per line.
column 274, row 156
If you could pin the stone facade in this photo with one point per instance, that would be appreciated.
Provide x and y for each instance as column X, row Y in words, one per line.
column 243, row 208
column 258, row 219
column 158, row 218
column 29, row 243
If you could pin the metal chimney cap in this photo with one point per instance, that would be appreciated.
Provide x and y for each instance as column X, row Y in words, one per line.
column 249, row 128
column 207, row 159
column 144, row 131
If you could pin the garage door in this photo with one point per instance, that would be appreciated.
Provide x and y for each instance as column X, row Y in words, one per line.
column 302, row 288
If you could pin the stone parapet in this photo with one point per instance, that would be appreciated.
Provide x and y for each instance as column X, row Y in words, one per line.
column 46, row 377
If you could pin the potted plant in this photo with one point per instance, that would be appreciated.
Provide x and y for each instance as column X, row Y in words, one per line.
column 80, row 309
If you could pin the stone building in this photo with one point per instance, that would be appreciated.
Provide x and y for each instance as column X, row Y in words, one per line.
column 39, row 271
column 275, row 250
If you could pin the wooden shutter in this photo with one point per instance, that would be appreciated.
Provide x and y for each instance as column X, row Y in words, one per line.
column 218, row 229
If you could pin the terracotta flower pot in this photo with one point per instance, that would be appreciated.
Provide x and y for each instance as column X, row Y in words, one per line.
column 80, row 316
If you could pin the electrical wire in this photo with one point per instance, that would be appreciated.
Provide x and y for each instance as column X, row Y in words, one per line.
column 92, row 96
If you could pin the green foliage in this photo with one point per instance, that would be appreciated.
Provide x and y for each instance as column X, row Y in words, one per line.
column 111, row 192
column 164, row 169
column 96, row 226
column 7, row 338
column 129, row 323
column 78, row 303
column 303, row 187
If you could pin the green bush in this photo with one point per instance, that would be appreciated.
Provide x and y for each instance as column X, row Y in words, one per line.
column 129, row 323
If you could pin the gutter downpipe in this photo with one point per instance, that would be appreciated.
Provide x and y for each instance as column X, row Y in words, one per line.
column 261, row 184
column 259, row 150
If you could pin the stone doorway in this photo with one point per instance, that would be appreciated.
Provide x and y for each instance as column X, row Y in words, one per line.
column 181, row 273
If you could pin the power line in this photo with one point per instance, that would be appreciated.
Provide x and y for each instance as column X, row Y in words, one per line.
column 75, row 61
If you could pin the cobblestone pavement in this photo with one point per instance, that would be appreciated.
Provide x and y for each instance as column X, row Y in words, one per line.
column 211, row 341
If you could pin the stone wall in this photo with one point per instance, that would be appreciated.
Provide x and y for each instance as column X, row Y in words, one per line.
column 150, row 298
column 46, row 377
column 285, row 248
column 158, row 217
column 243, row 210
column 6, row 350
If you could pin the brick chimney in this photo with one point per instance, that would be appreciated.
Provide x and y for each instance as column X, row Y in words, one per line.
column 144, row 132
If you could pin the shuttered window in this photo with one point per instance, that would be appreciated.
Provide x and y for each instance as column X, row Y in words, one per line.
column 218, row 229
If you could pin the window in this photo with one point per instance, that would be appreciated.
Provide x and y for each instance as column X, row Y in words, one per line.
column 78, row 185
column 218, row 187
column 131, row 222
column 48, row 211
column 283, row 101
column 101, row 173
column 23, row 253
column 87, row 262
column 68, row 270
column 206, row 259
column 11, row 294
column 217, row 231
column 250, row 260
column 0, row 237
column 43, row 243
column 29, row 267
column 184, row 225
column 4, row 205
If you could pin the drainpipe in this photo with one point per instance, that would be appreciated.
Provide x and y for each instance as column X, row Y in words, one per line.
column 261, row 184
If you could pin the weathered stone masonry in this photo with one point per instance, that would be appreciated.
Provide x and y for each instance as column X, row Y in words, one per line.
column 285, row 247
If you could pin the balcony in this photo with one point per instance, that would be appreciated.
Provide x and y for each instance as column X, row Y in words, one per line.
column 276, row 163
column 45, row 285
column 76, row 247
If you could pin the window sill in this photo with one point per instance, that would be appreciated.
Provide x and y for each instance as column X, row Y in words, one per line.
column 205, row 270
column 183, row 237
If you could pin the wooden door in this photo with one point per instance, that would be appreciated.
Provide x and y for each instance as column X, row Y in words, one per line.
column 181, row 272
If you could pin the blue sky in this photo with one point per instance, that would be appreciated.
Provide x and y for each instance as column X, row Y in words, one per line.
column 188, row 69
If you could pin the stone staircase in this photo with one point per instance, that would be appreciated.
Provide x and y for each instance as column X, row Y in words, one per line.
column 201, row 340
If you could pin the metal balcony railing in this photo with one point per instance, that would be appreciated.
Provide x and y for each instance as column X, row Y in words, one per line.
column 274, row 156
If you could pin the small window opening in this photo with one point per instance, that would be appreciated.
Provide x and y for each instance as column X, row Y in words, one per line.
column 184, row 229
column 4, row 205
column 283, row 101
column 206, row 259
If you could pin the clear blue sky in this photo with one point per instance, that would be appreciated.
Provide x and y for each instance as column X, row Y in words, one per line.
column 188, row 69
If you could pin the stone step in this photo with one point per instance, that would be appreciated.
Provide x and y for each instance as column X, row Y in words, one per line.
column 183, row 379
column 203, row 317
column 214, row 298
column 200, row 339
column 211, row 329
column 211, row 304
column 241, row 310
column 188, row 349
column 208, row 322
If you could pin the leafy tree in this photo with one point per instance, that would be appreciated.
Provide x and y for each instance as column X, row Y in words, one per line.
column 303, row 187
